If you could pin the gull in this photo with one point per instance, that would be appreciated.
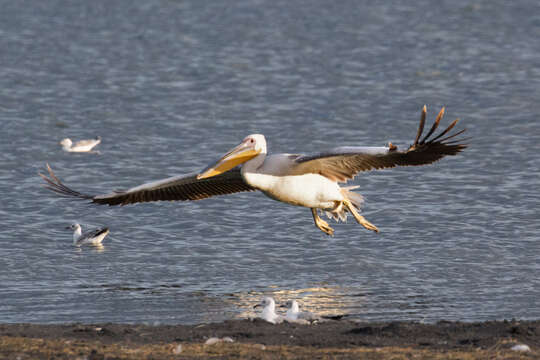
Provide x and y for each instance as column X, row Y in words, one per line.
column 92, row 237
column 269, row 311
column 80, row 146
column 310, row 181
column 294, row 313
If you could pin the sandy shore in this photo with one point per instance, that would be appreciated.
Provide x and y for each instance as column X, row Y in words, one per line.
column 261, row 340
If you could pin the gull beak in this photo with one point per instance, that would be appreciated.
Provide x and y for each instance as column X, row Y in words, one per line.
column 245, row 151
column 258, row 305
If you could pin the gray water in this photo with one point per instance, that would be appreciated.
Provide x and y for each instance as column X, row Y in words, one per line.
column 171, row 85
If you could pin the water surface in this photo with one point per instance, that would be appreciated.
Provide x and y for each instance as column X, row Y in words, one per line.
column 172, row 85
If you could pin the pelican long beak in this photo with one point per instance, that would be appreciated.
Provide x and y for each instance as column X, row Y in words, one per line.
column 245, row 151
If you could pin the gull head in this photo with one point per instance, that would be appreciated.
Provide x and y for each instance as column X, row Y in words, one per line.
column 269, row 311
column 74, row 226
column 267, row 302
column 292, row 305
column 77, row 231
column 66, row 143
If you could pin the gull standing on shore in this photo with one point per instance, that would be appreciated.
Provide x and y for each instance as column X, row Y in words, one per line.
column 269, row 311
column 80, row 146
column 294, row 313
column 92, row 237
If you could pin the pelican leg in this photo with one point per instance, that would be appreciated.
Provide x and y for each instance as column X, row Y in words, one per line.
column 359, row 218
column 321, row 224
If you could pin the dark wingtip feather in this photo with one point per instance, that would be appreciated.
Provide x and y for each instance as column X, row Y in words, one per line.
column 429, row 150
column 421, row 126
column 435, row 126
column 445, row 140
column 53, row 183
column 445, row 131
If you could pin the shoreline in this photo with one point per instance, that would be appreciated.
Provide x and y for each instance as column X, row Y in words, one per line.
column 260, row 339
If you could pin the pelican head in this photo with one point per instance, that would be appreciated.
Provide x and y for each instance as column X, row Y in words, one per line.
column 250, row 147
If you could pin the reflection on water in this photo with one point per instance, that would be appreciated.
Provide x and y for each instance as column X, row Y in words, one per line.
column 323, row 301
column 96, row 248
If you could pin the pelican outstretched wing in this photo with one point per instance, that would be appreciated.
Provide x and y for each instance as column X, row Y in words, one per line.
column 183, row 187
column 343, row 163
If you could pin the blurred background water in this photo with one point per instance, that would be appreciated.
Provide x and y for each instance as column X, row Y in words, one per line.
column 171, row 85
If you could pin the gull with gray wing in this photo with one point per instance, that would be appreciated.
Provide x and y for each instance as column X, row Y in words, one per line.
column 81, row 145
column 294, row 313
column 92, row 237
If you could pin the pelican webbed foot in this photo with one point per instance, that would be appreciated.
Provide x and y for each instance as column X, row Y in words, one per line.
column 359, row 218
column 321, row 224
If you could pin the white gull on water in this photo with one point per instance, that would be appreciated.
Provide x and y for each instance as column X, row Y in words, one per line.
column 269, row 311
column 80, row 146
column 92, row 237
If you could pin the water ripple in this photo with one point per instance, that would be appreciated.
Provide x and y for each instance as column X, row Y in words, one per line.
column 169, row 86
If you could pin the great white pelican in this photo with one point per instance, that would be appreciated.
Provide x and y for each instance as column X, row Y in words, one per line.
column 311, row 180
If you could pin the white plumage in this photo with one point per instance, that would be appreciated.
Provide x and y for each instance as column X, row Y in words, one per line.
column 294, row 313
column 79, row 146
column 268, row 312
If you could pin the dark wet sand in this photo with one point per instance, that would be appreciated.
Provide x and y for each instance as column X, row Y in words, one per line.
column 259, row 339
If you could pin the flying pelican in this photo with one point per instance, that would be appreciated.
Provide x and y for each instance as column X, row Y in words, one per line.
column 81, row 145
column 304, row 180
